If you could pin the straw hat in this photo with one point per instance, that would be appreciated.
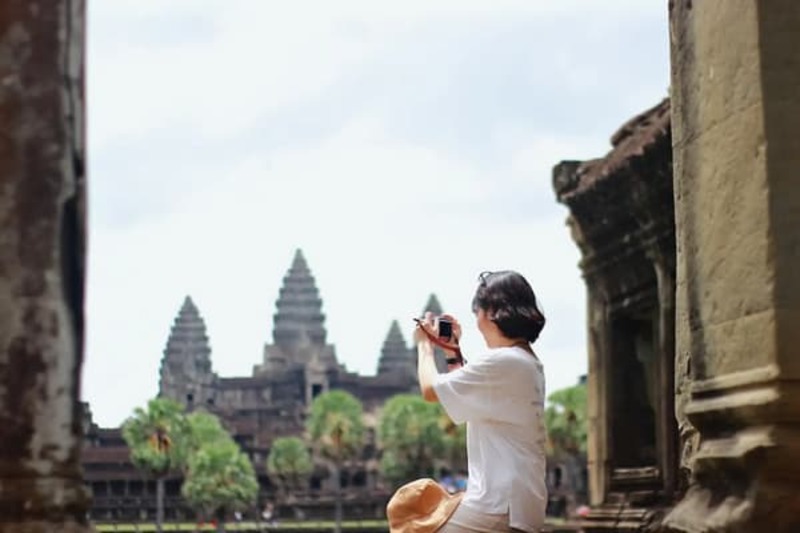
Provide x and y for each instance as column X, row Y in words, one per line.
column 421, row 506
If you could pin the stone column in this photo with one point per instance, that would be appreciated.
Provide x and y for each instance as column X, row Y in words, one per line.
column 736, row 142
column 667, row 434
column 598, row 419
column 42, row 231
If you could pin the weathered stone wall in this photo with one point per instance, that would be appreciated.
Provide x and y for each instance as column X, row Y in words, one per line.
column 42, row 217
column 736, row 117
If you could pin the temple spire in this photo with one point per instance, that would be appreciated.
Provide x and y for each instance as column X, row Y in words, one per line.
column 299, row 307
column 433, row 306
column 299, row 261
column 396, row 357
column 186, row 373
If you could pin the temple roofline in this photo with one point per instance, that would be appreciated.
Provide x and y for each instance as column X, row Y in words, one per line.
column 634, row 139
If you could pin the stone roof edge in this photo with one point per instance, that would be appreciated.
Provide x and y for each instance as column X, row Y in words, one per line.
column 634, row 139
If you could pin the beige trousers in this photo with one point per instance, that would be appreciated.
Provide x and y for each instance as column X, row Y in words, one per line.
column 468, row 520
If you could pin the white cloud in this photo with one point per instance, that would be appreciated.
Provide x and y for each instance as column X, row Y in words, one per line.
column 258, row 57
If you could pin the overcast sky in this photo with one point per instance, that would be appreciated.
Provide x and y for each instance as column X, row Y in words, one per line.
column 403, row 146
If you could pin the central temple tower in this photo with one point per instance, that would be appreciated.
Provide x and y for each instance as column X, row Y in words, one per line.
column 299, row 335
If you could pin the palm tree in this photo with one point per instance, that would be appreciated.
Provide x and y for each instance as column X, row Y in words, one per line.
column 289, row 462
column 156, row 439
column 336, row 428
column 413, row 434
column 203, row 428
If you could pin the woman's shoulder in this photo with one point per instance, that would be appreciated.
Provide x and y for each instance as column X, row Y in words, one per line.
column 511, row 356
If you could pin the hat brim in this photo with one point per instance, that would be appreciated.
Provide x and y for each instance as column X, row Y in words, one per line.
column 430, row 522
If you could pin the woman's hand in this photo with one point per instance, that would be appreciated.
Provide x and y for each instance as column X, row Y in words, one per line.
column 427, row 333
column 428, row 324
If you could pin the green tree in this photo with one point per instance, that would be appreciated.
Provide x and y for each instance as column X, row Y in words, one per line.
column 204, row 428
column 289, row 463
column 413, row 435
column 565, row 418
column 336, row 428
column 156, row 438
column 220, row 478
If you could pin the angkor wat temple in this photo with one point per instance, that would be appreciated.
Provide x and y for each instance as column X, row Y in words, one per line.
column 297, row 366
column 711, row 337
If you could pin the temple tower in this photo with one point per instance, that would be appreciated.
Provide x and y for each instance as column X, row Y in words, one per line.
column 186, row 373
column 299, row 307
column 396, row 357
column 433, row 306
column 299, row 334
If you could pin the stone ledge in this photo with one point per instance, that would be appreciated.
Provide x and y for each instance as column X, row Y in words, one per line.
column 734, row 380
column 736, row 401
column 619, row 517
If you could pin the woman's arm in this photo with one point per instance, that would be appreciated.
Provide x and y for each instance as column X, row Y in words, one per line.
column 426, row 369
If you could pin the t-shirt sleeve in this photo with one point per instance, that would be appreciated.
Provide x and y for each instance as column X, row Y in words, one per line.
column 471, row 392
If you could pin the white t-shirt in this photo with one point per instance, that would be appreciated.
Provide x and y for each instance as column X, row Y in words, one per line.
column 501, row 398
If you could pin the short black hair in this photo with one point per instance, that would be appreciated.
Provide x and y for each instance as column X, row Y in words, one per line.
column 510, row 302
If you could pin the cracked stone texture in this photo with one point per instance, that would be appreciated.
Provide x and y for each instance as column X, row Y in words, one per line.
column 42, row 228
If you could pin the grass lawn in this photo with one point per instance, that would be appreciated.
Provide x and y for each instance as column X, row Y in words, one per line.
column 347, row 525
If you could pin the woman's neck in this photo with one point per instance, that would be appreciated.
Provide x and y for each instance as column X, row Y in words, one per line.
column 505, row 342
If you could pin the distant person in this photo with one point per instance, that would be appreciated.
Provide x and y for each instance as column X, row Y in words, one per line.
column 269, row 513
column 448, row 483
column 299, row 514
column 500, row 395
column 460, row 482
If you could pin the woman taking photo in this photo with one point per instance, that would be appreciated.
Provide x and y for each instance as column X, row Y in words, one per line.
column 500, row 396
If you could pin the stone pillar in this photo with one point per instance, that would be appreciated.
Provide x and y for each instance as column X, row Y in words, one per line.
column 598, row 420
column 42, row 219
column 667, row 435
column 736, row 143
